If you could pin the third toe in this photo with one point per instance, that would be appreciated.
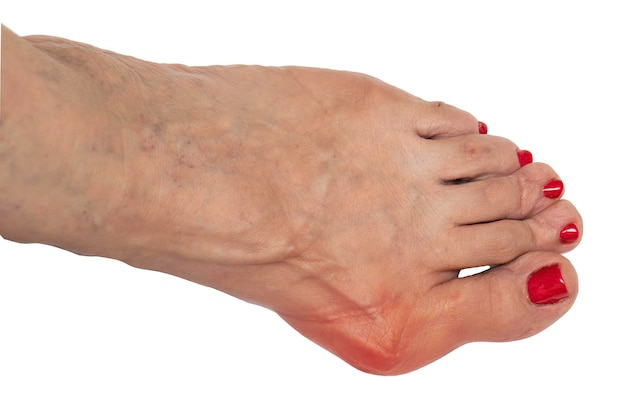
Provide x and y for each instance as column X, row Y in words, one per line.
column 519, row 195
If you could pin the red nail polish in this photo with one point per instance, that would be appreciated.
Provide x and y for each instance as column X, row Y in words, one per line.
column 546, row 286
column 569, row 234
column 482, row 128
column 553, row 189
column 524, row 157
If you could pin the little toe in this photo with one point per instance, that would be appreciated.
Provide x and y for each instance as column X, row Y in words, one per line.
column 435, row 119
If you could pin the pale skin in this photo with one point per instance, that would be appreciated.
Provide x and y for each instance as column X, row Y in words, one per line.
column 329, row 197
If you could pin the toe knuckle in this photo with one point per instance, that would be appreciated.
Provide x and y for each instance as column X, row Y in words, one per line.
column 477, row 149
column 526, row 200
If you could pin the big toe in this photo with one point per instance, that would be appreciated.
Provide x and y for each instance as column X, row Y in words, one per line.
column 509, row 302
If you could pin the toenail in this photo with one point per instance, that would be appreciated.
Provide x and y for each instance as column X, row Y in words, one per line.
column 553, row 189
column 482, row 128
column 524, row 157
column 546, row 286
column 569, row 234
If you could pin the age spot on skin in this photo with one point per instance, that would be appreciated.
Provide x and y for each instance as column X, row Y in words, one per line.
column 157, row 128
column 147, row 145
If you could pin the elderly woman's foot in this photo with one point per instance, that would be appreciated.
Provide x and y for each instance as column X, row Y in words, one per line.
column 344, row 204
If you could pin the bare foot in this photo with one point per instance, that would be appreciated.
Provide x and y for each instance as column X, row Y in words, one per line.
column 344, row 204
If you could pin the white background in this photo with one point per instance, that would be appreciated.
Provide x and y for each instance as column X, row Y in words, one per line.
column 91, row 337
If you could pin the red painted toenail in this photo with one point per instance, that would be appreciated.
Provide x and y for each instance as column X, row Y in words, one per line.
column 524, row 157
column 569, row 234
column 546, row 286
column 553, row 189
column 482, row 128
